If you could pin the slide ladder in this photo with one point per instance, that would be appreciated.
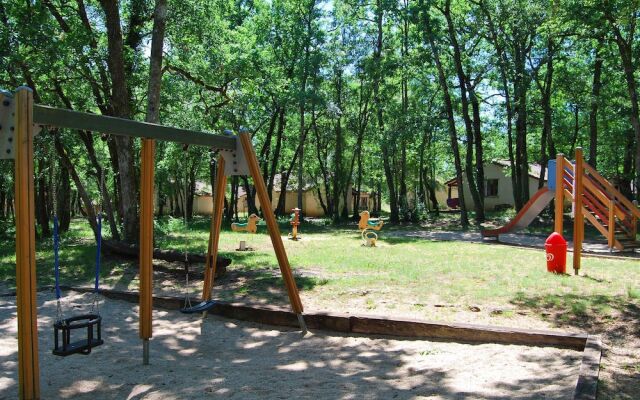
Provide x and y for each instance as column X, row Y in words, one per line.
column 608, row 210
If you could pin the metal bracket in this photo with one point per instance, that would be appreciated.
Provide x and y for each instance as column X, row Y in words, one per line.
column 7, row 125
column 235, row 162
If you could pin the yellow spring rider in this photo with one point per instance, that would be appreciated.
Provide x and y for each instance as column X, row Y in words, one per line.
column 251, row 226
column 367, row 226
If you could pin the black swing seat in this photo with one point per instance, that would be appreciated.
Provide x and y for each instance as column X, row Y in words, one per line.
column 63, row 328
column 199, row 308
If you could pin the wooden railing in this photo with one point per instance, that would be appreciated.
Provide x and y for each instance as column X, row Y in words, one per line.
column 626, row 204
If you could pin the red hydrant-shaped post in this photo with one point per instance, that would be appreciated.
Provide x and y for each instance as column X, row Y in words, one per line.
column 556, row 249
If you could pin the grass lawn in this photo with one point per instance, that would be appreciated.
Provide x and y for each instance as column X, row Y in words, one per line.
column 405, row 277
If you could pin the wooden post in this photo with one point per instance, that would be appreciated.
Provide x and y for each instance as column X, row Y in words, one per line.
column 28, row 366
column 147, row 173
column 578, row 218
column 559, row 198
column 214, row 231
column 270, row 218
column 612, row 224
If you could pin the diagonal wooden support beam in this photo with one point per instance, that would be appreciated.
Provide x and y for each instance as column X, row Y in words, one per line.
column 214, row 232
column 274, row 231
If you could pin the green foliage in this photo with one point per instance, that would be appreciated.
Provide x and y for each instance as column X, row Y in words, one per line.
column 257, row 64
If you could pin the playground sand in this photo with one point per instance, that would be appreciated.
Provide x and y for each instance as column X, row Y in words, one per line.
column 196, row 359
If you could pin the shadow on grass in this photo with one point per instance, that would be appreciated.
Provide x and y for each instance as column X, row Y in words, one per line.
column 618, row 316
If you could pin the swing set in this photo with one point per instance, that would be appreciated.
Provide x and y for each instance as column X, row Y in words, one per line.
column 21, row 119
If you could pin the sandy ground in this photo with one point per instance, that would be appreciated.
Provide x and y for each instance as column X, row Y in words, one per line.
column 194, row 359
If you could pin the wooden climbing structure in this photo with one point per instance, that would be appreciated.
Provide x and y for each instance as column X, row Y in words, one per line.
column 596, row 200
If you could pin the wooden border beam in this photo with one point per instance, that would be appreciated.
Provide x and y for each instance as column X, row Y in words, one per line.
column 28, row 367
column 62, row 118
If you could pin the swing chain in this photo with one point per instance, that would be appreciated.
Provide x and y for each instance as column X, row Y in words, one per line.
column 54, row 190
column 187, row 296
column 54, row 206
column 95, row 303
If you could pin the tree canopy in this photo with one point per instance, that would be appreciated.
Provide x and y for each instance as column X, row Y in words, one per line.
column 345, row 96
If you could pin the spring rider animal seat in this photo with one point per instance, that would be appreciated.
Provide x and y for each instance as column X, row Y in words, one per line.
column 251, row 226
column 367, row 227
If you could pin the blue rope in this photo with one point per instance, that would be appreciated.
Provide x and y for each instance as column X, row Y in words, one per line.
column 99, row 245
column 56, row 259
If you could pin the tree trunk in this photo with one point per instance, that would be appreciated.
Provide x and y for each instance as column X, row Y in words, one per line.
column 522, row 161
column 595, row 102
column 504, row 80
column 339, row 182
column 155, row 62
column 89, row 212
column 276, row 153
column 377, row 82
column 303, row 92
column 120, row 100
column 479, row 150
column 464, row 98
column 42, row 214
column 453, row 135
column 545, row 95
column 626, row 54
column 63, row 197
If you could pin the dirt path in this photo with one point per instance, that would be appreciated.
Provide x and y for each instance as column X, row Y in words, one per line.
column 197, row 359
column 514, row 239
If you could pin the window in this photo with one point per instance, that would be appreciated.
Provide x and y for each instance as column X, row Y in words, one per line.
column 491, row 188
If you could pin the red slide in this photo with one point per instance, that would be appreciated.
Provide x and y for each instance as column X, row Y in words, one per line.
column 534, row 206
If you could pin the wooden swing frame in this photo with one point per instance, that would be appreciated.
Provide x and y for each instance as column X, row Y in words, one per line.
column 23, row 117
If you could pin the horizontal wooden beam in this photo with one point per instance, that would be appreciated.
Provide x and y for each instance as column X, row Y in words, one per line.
column 63, row 118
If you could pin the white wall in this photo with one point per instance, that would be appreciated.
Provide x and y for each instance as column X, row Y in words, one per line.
column 505, row 190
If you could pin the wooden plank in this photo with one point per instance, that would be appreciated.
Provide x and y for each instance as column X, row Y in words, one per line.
column 633, row 209
column 214, row 231
column 568, row 195
column 611, row 237
column 62, row 118
column 594, row 222
column 28, row 365
column 593, row 190
column 587, row 386
column 578, row 220
column 596, row 206
column 274, row 231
